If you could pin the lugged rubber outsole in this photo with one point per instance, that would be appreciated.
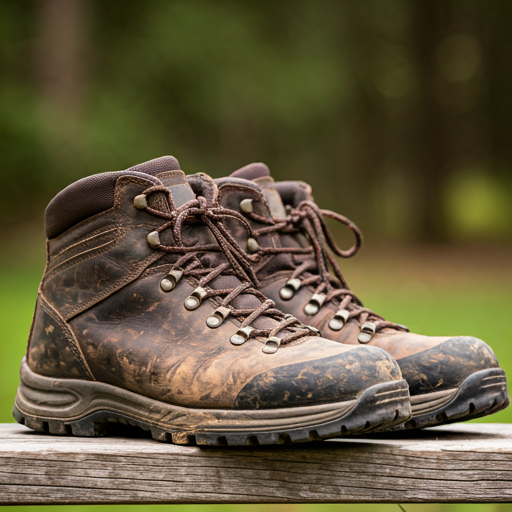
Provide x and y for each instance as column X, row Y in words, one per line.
column 482, row 393
column 50, row 406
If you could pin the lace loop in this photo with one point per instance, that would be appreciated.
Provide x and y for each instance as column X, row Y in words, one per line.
column 191, row 262
column 323, row 271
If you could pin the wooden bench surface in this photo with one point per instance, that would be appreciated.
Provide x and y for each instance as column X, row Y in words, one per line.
column 456, row 463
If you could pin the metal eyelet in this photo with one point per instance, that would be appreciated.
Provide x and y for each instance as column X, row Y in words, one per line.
column 252, row 246
column 169, row 282
column 140, row 202
column 290, row 289
column 339, row 320
column 246, row 205
column 193, row 301
column 153, row 239
column 219, row 315
column 314, row 304
column 271, row 345
column 241, row 336
column 367, row 332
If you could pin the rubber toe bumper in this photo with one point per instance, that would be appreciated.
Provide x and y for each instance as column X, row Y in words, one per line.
column 446, row 366
column 457, row 380
column 337, row 378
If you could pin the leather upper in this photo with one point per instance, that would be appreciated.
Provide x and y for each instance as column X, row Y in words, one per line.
column 103, row 315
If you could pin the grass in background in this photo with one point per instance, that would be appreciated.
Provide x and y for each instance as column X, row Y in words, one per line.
column 391, row 507
column 435, row 292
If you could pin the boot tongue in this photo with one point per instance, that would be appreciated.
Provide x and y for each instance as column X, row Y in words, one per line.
column 176, row 182
column 167, row 170
column 260, row 174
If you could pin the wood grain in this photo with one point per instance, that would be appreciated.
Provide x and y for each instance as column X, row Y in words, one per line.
column 457, row 463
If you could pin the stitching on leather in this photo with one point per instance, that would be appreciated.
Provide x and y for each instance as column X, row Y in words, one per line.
column 157, row 269
column 94, row 218
column 129, row 179
column 73, row 343
column 120, row 230
column 237, row 187
column 136, row 272
column 90, row 246
column 169, row 174
column 69, row 314
column 79, row 258
column 85, row 242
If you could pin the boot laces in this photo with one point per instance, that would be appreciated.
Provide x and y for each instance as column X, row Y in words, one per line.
column 193, row 262
column 323, row 270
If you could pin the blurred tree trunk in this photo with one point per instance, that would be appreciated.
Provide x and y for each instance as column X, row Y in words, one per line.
column 60, row 66
column 498, row 51
column 430, row 139
column 364, row 126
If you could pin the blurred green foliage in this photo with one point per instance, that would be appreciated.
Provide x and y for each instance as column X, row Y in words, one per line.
column 278, row 508
column 386, row 107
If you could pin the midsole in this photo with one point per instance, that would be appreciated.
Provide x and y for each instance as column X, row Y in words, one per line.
column 430, row 401
column 491, row 379
column 69, row 400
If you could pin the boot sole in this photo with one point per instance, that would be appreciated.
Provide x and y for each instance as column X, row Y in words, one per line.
column 482, row 393
column 90, row 409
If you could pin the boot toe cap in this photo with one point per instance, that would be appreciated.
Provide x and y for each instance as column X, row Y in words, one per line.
column 446, row 365
column 337, row 378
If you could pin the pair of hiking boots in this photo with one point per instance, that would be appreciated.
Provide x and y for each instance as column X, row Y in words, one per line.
column 213, row 311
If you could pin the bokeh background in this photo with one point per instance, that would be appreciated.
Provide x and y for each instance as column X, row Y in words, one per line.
column 398, row 112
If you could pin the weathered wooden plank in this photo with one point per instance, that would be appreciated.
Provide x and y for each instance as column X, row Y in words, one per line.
column 458, row 463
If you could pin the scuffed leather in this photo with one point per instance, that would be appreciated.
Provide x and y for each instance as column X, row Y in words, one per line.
column 147, row 342
column 53, row 349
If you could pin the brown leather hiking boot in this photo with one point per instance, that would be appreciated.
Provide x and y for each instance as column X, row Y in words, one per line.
column 450, row 378
column 147, row 315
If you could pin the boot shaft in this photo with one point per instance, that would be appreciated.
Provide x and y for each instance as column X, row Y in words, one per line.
column 96, row 244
